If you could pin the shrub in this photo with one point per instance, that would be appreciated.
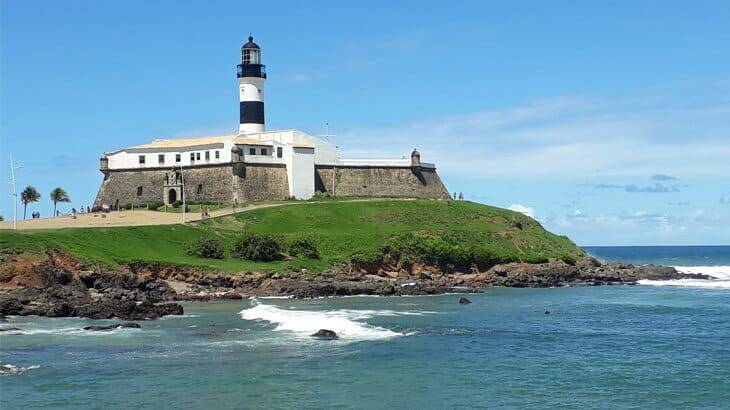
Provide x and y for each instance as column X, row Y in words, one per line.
column 127, row 206
column 177, row 204
column 305, row 247
column 365, row 257
column 256, row 247
column 205, row 247
column 154, row 205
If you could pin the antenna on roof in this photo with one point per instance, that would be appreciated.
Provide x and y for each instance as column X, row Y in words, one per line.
column 327, row 132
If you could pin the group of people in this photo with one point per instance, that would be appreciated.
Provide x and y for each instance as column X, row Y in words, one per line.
column 87, row 210
column 461, row 196
column 35, row 215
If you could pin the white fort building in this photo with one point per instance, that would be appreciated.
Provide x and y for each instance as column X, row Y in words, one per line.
column 255, row 164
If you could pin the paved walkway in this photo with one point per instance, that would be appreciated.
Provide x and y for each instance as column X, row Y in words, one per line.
column 139, row 217
column 135, row 217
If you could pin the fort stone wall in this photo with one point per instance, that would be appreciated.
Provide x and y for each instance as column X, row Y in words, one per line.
column 261, row 182
column 215, row 183
column 241, row 182
column 409, row 182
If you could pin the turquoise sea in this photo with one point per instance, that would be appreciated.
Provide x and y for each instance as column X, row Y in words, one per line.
column 658, row 345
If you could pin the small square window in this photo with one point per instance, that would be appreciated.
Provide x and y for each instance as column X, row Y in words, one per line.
column 217, row 154
column 177, row 157
column 207, row 155
column 139, row 191
column 197, row 156
column 264, row 151
column 161, row 158
column 279, row 152
column 252, row 151
column 141, row 159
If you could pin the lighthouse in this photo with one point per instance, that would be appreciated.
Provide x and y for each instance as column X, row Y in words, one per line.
column 251, row 78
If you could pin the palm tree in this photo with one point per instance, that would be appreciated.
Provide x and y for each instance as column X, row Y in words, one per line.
column 29, row 195
column 58, row 195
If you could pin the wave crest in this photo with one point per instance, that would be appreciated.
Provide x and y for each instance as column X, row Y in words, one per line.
column 305, row 322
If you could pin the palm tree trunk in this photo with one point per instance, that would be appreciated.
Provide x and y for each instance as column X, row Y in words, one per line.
column 25, row 209
column 54, row 208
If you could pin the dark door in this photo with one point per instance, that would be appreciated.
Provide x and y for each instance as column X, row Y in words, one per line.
column 171, row 196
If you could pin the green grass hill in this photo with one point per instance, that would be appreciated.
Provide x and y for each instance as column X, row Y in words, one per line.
column 444, row 232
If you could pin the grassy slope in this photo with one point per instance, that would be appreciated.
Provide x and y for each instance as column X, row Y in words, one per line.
column 340, row 228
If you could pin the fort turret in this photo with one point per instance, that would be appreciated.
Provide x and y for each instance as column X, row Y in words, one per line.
column 251, row 78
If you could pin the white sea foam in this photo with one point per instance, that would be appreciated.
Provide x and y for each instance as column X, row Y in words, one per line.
column 346, row 323
column 9, row 369
column 720, row 273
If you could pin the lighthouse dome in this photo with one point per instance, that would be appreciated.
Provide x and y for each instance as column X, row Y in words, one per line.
column 250, row 44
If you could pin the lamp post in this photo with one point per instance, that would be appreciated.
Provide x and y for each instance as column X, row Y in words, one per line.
column 15, row 194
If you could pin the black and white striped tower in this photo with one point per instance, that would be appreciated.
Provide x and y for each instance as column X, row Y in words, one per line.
column 251, row 77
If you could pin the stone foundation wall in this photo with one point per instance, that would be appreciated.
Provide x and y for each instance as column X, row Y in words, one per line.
column 260, row 182
column 381, row 182
column 218, row 183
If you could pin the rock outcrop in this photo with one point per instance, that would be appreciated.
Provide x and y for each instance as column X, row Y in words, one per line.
column 56, row 285
column 325, row 334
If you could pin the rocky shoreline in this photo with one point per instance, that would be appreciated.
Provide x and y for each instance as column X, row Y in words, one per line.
column 57, row 285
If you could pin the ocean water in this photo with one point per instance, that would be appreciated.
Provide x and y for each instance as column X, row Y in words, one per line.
column 646, row 346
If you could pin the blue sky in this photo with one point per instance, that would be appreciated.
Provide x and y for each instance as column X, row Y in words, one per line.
column 607, row 122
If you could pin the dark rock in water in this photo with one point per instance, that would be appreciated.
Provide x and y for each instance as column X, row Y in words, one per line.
column 424, row 276
column 232, row 296
column 464, row 301
column 131, row 325
column 547, row 312
column 9, row 329
column 325, row 334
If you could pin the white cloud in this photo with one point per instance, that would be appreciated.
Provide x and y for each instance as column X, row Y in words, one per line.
column 523, row 209
column 563, row 138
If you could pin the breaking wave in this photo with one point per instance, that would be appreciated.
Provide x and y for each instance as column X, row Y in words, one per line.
column 720, row 273
column 346, row 323
column 9, row 369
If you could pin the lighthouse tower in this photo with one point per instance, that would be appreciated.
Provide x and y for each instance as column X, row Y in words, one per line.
column 251, row 77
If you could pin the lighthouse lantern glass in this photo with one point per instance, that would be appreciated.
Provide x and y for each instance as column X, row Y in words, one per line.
column 251, row 56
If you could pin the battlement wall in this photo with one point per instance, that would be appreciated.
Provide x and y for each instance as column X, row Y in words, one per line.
column 407, row 182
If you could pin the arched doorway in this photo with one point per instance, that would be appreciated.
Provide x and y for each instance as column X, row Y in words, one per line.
column 171, row 196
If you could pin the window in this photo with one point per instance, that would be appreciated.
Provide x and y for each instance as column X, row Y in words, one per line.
column 199, row 190
column 252, row 151
column 139, row 191
column 192, row 156
column 177, row 157
column 279, row 152
column 161, row 158
column 197, row 156
column 207, row 155
column 217, row 155
column 141, row 159
column 264, row 151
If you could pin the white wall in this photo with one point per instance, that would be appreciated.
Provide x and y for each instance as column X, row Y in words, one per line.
column 300, row 171
column 129, row 158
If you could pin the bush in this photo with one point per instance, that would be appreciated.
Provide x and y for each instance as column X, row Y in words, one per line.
column 205, row 247
column 155, row 205
column 177, row 204
column 126, row 206
column 305, row 247
column 365, row 257
column 256, row 247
